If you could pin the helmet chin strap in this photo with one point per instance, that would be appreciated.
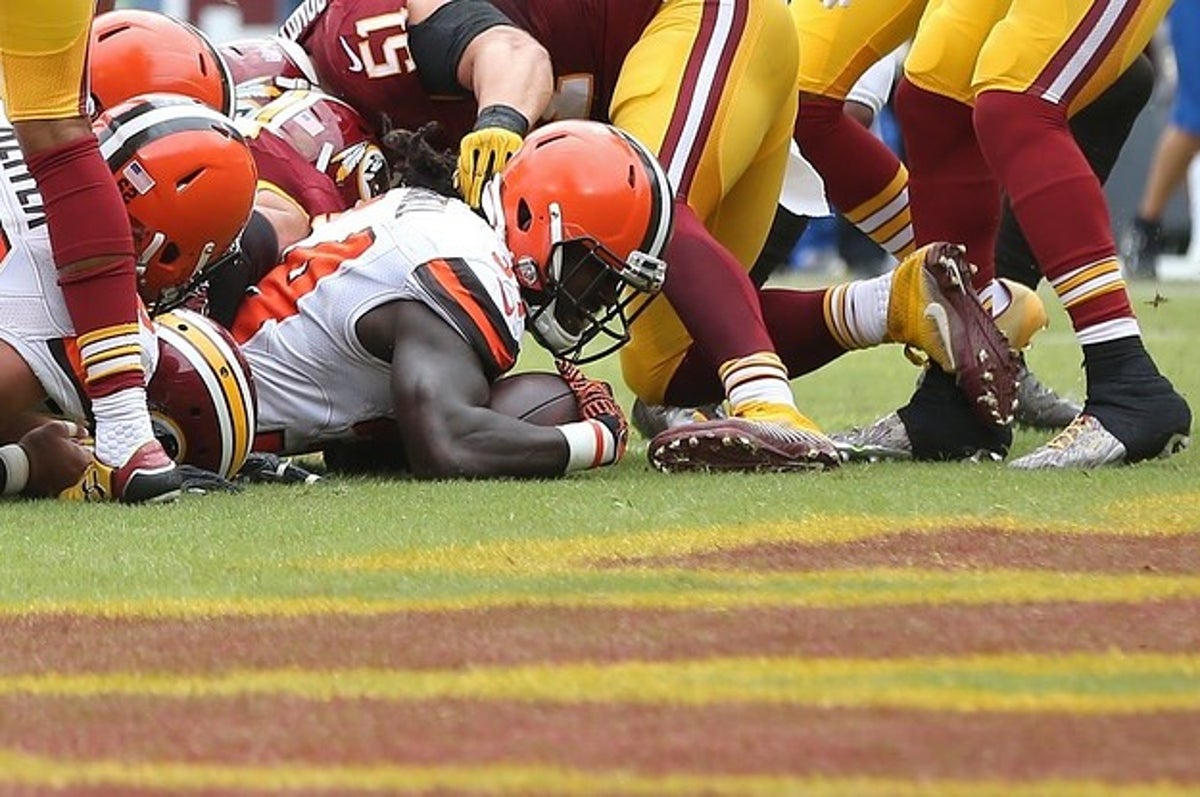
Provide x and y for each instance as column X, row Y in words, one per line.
column 550, row 332
column 489, row 202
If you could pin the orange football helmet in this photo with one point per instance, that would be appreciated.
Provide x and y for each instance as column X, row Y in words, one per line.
column 201, row 394
column 141, row 52
column 331, row 136
column 188, row 181
column 586, row 211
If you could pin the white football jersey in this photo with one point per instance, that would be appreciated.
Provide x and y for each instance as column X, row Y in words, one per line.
column 33, row 314
column 315, row 381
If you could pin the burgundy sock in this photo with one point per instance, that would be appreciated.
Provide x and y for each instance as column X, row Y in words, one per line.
column 87, row 221
column 951, row 190
column 712, row 292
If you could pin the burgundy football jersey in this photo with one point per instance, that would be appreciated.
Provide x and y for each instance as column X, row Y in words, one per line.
column 360, row 51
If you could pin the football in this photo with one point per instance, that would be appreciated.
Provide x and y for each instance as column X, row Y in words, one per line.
column 538, row 397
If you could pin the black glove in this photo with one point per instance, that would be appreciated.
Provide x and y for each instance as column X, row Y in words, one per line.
column 200, row 481
column 262, row 468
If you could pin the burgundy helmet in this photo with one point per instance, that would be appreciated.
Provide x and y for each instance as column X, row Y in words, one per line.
column 201, row 395
column 264, row 67
column 330, row 135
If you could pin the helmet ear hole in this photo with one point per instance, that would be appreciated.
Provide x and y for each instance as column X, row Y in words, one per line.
column 524, row 216
column 170, row 253
column 167, row 435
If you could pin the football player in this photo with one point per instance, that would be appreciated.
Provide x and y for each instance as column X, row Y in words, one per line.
column 190, row 184
column 68, row 189
column 315, row 157
column 399, row 313
column 134, row 52
column 984, row 106
column 709, row 87
column 870, row 185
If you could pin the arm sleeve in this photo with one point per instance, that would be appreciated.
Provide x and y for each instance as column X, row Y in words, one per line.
column 437, row 43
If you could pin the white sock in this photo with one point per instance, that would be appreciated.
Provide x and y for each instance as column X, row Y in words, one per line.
column 856, row 312
column 122, row 425
column 756, row 377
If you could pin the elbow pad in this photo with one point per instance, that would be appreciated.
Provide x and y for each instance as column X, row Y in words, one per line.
column 437, row 43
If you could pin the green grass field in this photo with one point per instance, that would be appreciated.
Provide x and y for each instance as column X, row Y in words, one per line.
column 242, row 544
column 890, row 628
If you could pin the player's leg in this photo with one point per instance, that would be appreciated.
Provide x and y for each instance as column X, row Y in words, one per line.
column 1022, row 106
column 43, row 49
column 954, row 198
column 863, row 178
column 708, row 140
column 1178, row 144
column 1101, row 130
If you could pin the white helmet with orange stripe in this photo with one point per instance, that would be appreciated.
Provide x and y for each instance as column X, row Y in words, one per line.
column 201, row 396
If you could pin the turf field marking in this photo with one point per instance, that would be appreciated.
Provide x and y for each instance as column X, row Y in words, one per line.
column 20, row 769
column 543, row 555
column 1081, row 683
column 687, row 589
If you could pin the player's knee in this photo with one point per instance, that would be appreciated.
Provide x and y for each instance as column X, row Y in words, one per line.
column 42, row 135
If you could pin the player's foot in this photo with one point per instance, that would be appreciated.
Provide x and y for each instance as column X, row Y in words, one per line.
column 1024, row 317
column 1153, row 426
column 937, row 425
column 933, row 308
column 886, row 438
column 1040, row 407
column 652, row 419
column 149, row 476
column 756, row 437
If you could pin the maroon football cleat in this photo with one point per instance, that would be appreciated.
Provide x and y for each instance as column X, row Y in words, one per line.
column 737, row 444
column 942, row 316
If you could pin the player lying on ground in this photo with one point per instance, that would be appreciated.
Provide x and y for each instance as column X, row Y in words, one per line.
column 398, row 315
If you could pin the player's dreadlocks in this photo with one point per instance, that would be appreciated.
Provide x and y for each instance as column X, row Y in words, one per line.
column 417, row 163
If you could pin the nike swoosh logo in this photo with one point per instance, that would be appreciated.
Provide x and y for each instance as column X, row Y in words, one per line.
column 356, row 64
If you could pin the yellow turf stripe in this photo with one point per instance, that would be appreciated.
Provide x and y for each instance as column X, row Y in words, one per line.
column 690, row 590
column 558, row 555
column 1081, row 683
column 20, row 769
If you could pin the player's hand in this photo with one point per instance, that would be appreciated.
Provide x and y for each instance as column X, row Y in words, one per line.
column 499, row 131
column 57, row 457
column 596, row 403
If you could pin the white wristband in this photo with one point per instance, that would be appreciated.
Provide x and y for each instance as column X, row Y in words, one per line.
column 16, row 464
column 590, row 444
